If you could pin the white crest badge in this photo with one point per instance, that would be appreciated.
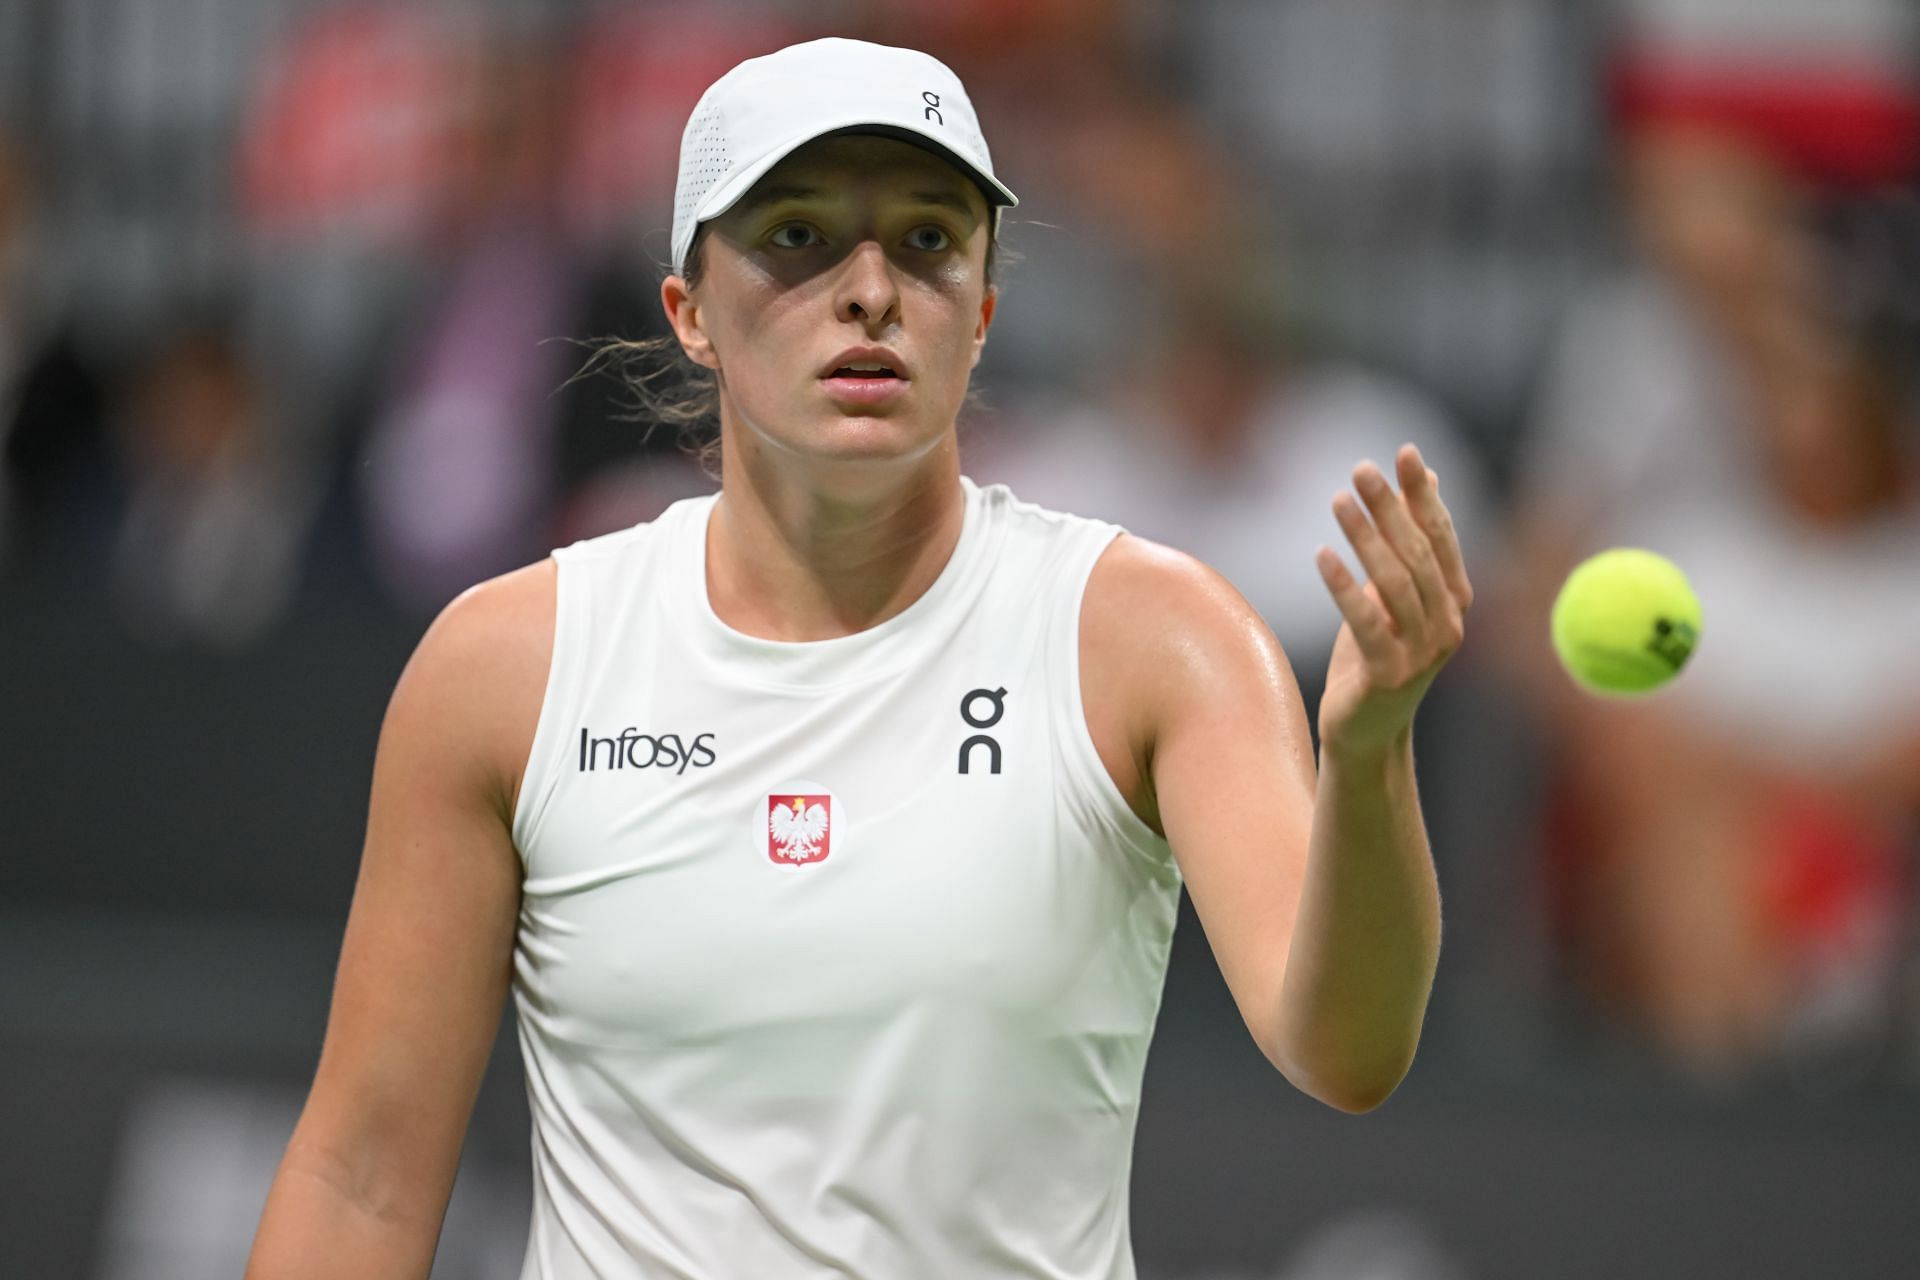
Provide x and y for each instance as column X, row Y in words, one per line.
column 800, row 825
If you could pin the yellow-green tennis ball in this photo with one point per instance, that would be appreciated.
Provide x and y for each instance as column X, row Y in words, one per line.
column 1625, row 622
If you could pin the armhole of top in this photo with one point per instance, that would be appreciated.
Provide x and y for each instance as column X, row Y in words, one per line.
column 564, row 672
column 1086, row 771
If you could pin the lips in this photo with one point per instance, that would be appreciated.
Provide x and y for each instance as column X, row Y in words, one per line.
column 866, row 364
column 865, row 378
column 864, row 391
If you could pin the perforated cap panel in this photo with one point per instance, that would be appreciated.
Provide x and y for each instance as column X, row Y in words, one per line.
column 704, row 163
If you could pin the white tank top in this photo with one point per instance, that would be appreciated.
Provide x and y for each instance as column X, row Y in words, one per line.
column 835, row 958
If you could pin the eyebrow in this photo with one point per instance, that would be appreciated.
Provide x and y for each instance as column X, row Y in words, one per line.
column 780, row 194
column 944, row 199
column 775, row 195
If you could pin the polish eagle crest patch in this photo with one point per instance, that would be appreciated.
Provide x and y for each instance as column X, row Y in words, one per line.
column 799, row 827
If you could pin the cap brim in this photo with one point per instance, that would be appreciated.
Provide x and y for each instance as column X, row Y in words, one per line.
column 728, row 193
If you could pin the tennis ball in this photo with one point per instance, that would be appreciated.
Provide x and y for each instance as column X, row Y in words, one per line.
column 1625, row 622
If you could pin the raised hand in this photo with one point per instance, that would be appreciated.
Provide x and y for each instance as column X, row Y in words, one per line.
column 1406, row 620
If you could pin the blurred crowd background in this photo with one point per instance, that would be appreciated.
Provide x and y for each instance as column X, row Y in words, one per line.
column 292, row 293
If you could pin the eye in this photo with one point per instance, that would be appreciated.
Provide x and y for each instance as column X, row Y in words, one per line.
column 930, row 238
column 783, row 236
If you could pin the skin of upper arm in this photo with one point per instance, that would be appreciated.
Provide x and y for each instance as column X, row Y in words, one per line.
column 425, row 963
column 1195, row 711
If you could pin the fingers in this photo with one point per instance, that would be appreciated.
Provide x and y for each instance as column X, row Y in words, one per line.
column 1422, row 490
column 1389, row 576
column 1416, row 591
column 1362, row 610
column 1392, row 515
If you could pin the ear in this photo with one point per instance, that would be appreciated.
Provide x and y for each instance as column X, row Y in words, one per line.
column 683, row 313
column 988, row 301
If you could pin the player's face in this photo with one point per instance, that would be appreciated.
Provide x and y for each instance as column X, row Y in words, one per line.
column 851, row 242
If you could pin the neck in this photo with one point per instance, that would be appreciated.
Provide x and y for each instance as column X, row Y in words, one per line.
column 795, row 556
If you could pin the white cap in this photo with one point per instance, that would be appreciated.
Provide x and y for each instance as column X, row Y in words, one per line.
column 761, row 111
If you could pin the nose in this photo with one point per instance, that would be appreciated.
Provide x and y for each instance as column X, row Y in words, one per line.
column 866, row 291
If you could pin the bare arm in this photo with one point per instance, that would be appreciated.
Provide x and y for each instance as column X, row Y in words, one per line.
column 1317, row 890
column 1367, row 941
column 425, row 963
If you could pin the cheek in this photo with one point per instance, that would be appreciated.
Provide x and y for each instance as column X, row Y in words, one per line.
column 956, row 298
column 762, row 341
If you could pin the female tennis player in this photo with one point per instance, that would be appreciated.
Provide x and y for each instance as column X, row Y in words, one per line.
column 829, row 831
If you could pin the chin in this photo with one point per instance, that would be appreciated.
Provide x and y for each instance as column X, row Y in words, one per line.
column 838, row 437
column 842, row 436
column 870, row 444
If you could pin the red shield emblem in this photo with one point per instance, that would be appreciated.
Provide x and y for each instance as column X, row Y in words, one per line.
column 799, row 828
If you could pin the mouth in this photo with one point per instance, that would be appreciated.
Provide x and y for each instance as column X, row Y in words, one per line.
column 866, row 363
column 862, row 378
column 866, row 369
column 864, row 373
column 864, row 388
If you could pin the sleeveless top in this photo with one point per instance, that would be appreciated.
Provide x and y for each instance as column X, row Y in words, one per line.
column 836, row 958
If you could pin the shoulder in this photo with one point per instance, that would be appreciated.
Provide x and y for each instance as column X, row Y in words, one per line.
column 1166, row 643
column 478, row 676
column 493, row 627
column 1163, row 620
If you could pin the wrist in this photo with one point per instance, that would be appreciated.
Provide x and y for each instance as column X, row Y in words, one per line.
column 1351, row 756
